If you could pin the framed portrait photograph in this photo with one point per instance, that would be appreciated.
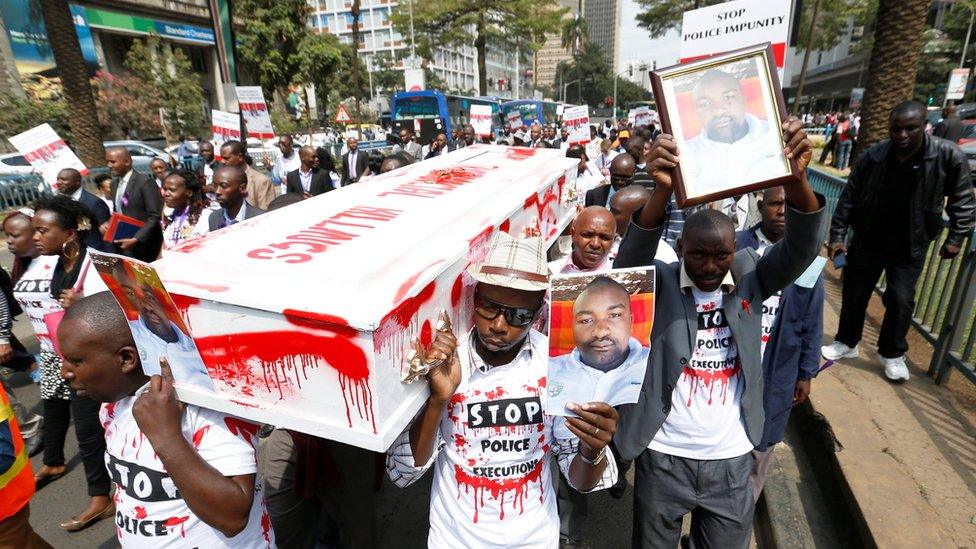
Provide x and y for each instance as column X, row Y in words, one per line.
column 726, row 113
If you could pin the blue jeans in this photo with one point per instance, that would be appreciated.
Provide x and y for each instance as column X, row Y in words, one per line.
column 843, row 154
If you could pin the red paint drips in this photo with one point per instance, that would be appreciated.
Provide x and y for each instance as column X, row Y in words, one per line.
column 140, row 512
column 243, row 429
column 198, row 435
column 426, row 334
column 320, row 321
column 456, row 291
column 497, row 488
column 708, row 379
column 173, row 522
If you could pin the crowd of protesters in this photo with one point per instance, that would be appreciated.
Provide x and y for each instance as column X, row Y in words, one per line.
column 693, row 453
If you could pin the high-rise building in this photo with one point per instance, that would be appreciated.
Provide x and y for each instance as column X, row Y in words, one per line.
column 603, row 23
column 457, row 67
column 552, row 52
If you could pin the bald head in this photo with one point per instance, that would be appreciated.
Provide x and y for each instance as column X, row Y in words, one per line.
column 625, row 202
column 593, row 232
column 118, row 160
column 622, row 171
column 307, row 156
column 99, row 318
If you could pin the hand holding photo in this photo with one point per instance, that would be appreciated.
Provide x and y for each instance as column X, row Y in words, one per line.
column 600, row 328
column 726, row 114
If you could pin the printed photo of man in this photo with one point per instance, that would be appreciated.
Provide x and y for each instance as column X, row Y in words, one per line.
column 607, row 363
column 734, row 146
column 155, row 334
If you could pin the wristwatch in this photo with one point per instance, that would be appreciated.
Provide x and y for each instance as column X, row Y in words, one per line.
column 600, row 456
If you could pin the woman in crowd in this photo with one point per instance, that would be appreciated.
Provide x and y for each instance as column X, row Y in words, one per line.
column 49, row 285
column 328, row 164
column 20, row 241
column 183, row 195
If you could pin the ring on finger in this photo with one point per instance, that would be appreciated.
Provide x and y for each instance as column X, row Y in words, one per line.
column 597, row 432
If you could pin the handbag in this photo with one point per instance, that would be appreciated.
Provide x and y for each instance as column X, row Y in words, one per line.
column 53, row 319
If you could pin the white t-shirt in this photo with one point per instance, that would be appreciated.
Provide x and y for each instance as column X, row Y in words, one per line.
column 149, row 511
column 492, row 476
column 705, row 421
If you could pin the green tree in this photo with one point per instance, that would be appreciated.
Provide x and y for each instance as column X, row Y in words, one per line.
column 170, row 83
column 660, row 16
column 19, row 114
column 277, row 48
column 128, row 107
column 450, row 23
column 594, row 80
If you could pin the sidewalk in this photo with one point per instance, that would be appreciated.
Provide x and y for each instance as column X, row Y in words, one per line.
column 907, row 452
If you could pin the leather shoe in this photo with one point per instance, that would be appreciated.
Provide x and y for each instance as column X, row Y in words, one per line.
column 75, row 525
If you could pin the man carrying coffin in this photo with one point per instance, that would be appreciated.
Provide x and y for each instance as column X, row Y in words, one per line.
column 700, row 412
column 484, row 429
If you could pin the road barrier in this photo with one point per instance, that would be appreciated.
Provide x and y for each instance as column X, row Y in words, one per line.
column 945, row 297
column 17, row 190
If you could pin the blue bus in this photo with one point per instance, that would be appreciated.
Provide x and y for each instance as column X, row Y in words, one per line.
column 430, row 112
column 532, row 111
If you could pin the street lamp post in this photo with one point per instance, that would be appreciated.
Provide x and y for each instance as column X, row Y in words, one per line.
column 566, row 85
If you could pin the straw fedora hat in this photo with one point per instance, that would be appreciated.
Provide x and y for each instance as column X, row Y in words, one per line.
column 514, row 263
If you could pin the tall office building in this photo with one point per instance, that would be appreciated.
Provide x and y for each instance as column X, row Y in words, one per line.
column 457, row 67
column 603, row 22
column 552, row 52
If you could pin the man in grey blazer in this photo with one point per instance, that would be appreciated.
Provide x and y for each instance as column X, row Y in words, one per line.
column 700, row 412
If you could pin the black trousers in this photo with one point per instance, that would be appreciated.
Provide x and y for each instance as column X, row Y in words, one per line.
column 861, row 275
column 90, row 435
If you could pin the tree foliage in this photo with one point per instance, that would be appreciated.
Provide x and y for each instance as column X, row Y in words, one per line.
column 595, row 78
column 127, row 106
column 450, row 22
column 277, row 48
column 168, row 80
column 18, row 114
column 660, row 16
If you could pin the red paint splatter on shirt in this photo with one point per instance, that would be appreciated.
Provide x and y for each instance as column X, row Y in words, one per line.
column 243, row 429
column 497, row 488
column 173, row 522
column 198, row 435
column 709, row 379
column 140, row 512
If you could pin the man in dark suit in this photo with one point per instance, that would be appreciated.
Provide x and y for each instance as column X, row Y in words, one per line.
column 951, row 127
column 137, row 196
column 792, row 331
column 621, row 175
column 354, row 163
column 700, row 412
column 230, row 183
column 69, row 184
column 308, row 180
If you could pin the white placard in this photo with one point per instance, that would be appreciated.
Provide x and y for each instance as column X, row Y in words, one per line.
column 515, row 120
column 481, row 119
column 414, row 79
column 47, row 152
column 577, row 121
column 643, row 116
column 225, row 127
column 738, row 24
column 956, row 88
column 255, row 112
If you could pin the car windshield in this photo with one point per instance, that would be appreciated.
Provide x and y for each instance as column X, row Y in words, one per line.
column 15, row 161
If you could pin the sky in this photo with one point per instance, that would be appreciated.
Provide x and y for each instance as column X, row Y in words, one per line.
column 636, row 43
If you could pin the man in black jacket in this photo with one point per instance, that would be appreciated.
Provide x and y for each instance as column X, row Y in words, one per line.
column 69, row 184
column 893, row 202
column 621, row 175
column 308, row 180
column 354, row 163
column 137, row 196
column 951, row 127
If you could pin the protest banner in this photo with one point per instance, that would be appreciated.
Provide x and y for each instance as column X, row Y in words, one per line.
column 577, row 121
column 255, row 112
column 609, row 366
column 643, row 116
column 956, row 88
column 368, row 270
column 514, row 119
column 46, row 152
column 737, row 24
column 481, row 120
column 225, row 126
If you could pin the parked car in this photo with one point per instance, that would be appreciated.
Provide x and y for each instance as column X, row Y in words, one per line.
column 15, row 163
column 968, row 131
column 142, row 153
column 970, row 150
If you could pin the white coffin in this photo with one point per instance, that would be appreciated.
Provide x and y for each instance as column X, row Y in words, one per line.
column 303, row 315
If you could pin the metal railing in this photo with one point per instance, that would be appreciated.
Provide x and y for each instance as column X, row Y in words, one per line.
column 945, row 295
column 17, row 191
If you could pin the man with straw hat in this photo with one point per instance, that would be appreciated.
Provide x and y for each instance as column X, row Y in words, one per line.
column 484, row 429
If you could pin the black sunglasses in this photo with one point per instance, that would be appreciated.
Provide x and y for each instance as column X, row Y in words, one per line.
column 621, row 181
column 516, row 317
